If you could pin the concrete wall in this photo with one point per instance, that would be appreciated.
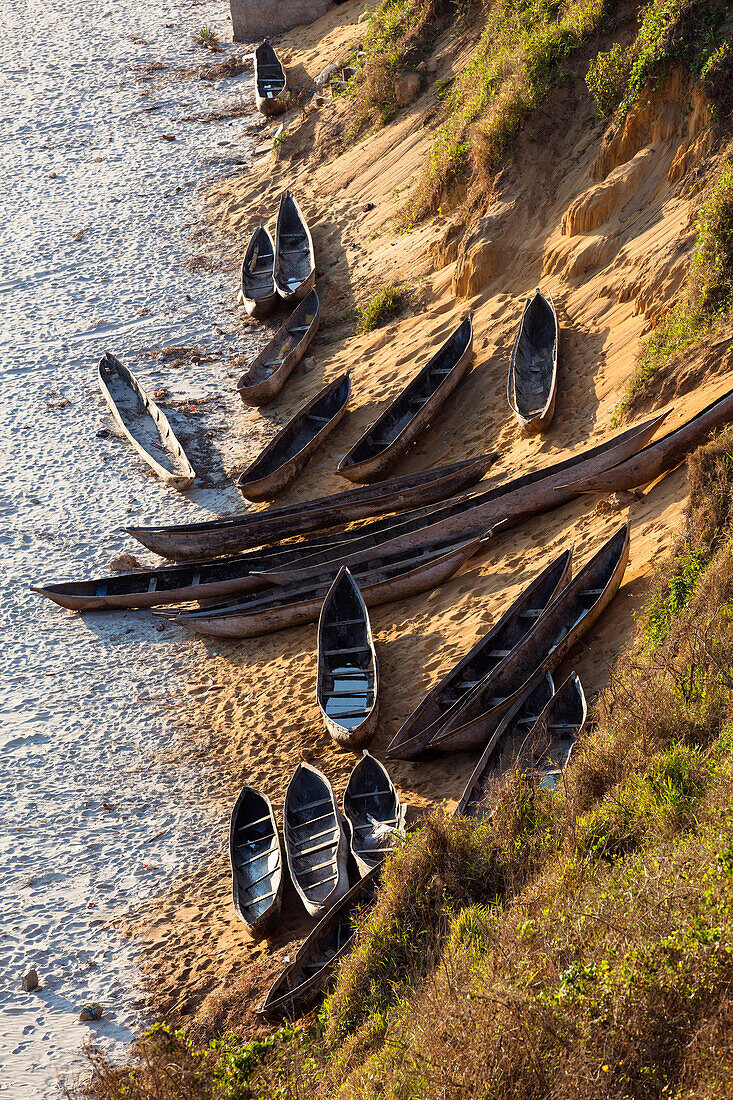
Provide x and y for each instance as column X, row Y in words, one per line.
column 257, row 19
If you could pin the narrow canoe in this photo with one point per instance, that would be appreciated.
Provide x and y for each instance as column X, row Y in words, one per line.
column 256, row 861
column 410, row 741
column 222, row 536
column 303, row 980
column 347, row 682
column 472, row 720
column 412, row 410
column 295, row 263
column 270, row 81
column 552, row 739
column 532, row 379
column 404, row 575
column 144, row 424
column 315, row 842
column 295, row 444
column 268, row 373
column 374, row 815
column 258, row 274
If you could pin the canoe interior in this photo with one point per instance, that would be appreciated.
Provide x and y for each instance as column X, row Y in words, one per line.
column 270, row 74
column 294, row 251
column 258, row 266
column 256, row 858
column 284, row 342
column 299, row 431
column 404, row 408
column 534, row 360
column 372, row 808
column 553, row 738
column 313, row 834
column 347, row 673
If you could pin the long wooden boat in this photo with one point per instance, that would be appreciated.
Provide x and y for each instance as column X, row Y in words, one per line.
column 347, row 681
column 505, row 746
column 552, row 740
column 663, row 454
column 256, row 861
column 412, row 410
column 222, row 536
column 145, row 425
column 410, row 741
column 532, row 380
column 374, row 815
column 295, row 444
column 315, row 841
column 267, row 374
column 258, row 274
column 295, row 263
column 398, row 576
column 303, row 980
column 270, row 81
column 472, row 720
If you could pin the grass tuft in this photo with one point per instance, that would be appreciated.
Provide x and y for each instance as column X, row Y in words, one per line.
column 387, row 304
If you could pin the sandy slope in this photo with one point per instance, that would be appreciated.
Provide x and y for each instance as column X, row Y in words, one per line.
column 609, row 237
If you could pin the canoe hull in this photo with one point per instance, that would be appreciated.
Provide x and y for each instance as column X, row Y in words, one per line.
column 261, row 926
column 313, row 906
column 261, row 393
column 541, row 419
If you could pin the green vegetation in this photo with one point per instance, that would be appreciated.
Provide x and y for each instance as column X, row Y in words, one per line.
column 384, row 306
column 207, row 36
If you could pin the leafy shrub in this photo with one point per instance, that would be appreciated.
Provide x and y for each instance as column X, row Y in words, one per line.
column 383, row 307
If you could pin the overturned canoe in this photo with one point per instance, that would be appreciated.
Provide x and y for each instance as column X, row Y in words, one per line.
column 270, row 81
column 268, row 373
column 258, row 274
column 295, row 264
column 373, row 812
column 294, row 445
column 411, row 740
column 303, row 980
column 411, row 411
column 532, row 380
column 315, row 842
column 221, row 536
column 144, row 424
column 505, row 746
column 662, row 455
column 255, row 857
column 347, row 681
column 398, row 576
column 472, row 720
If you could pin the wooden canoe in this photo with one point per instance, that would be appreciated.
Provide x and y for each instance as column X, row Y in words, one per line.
column 412, row 410
column 347, row 682
column 410, row 741
column 270, row 81
column 295, row 263
column 256, row 861
column 258, row 274
column 268, row 373
column 222, row 536
column 661, row 456
column 470, row 723
column 145, row 425
column 315, row 841
column 532, row 379
column 505, row 746
column 303, row 980
column 373, row 812
column 405, row 574
column 295, row 444
column 552, row 739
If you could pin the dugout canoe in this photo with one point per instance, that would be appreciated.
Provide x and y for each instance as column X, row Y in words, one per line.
column 268, row 373
column 295, row 264
column 270, row 81
column 552, row 739
column 472, row 720
column 410, row 741
column 258, row 274
column 143, row 423
column 295, row 444
column 255, row 857
column 373, row 812
column 315, row 841
column 399, row 494
column 347, row 680
column 303, row 980
column 411, row 411
column 532, row 379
